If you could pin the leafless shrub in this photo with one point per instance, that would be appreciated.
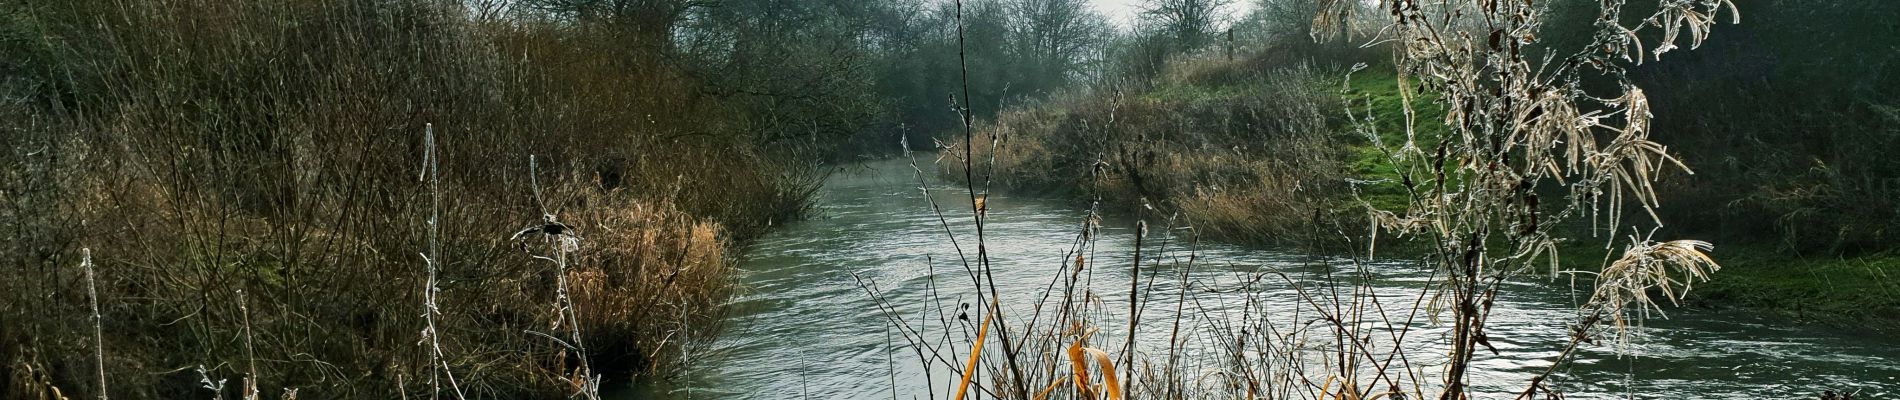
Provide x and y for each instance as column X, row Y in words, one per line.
column 1667, row 267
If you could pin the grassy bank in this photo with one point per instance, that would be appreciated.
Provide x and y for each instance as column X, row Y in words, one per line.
column 1856, row 293
column 262, row 208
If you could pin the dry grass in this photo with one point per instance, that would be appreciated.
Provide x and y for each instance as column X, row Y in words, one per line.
column 1242, row 155
column 645, row 264
column 249, row 170
column 1080, row 358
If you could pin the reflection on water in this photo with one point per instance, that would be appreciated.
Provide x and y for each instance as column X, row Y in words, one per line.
column 803, row 328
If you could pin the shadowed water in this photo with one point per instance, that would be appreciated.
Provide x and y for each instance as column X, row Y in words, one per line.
column 803, row 328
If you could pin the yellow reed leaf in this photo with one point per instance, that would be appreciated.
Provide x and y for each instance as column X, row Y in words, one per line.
column 1111, row 387
column 969, row 369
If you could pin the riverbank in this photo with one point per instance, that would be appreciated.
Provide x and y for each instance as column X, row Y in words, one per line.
column 873, row 221
column 1852, row 293
column 361, row 200
column 1175, row 149
column 1242, row 151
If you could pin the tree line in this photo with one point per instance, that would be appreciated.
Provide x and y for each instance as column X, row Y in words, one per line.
column 846, row 77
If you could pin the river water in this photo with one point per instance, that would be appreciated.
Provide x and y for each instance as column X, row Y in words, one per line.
column 803, row 327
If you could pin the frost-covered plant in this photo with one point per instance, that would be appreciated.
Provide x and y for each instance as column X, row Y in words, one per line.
column 1521, row 126
column 562, row 241
column 438, row 363
column 1669, row 268
column 98, row 335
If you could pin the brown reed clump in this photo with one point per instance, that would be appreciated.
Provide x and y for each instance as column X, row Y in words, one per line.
column 647, row 263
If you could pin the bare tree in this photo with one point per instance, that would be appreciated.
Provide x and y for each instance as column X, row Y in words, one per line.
column 1053, row 40
column 1190, row 23
column 653, row 22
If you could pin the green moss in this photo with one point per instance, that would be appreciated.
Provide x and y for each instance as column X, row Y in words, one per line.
column 1376, row 102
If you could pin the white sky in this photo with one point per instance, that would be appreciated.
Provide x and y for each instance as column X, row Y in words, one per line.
column 1124, row 12
column 1120, row 12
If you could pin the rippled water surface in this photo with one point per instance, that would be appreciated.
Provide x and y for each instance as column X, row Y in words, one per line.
column 803, row 328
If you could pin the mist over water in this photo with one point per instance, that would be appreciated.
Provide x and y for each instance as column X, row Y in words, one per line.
column 803, row 327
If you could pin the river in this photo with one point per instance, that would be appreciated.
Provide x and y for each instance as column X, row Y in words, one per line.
column 802, row 327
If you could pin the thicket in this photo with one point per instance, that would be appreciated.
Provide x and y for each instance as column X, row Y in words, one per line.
column 256, row 168
column 1240, row 151
column 249, row 179
column 1246, row 140
column 1786, row 121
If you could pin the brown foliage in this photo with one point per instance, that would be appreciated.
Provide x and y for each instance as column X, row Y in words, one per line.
column 1245, row 156
column 205, row 149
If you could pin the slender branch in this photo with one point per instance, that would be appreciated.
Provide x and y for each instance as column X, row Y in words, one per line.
column 438, row 361
column 98, row 331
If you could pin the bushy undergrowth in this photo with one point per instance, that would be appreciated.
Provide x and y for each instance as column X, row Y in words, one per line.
column 1241, row 152
column 246, row 175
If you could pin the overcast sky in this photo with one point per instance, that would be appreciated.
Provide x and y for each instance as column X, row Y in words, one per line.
column 1121, row 12
column 1124, row 12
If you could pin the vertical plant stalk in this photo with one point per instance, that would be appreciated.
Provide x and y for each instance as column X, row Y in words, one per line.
column 438, row 362
column 590, row 385
column 98, row 331
column 976, row 352
column 979, row 208
column 1134, row 312
column 250, row 352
